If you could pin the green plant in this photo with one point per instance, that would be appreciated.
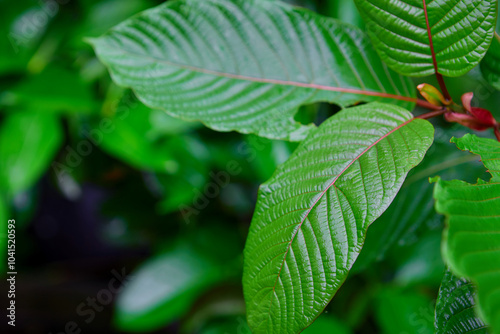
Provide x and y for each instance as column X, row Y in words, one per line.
column 248, row 65
column 341, row 129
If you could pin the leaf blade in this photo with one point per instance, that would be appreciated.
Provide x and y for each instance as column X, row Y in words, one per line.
column 472, row 237
column 242, row 89
column 359, row 138
column 454, row 307
column 28, row 143
column 399, row 31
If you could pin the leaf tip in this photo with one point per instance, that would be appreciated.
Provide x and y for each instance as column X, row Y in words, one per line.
column 90, row 40
column 434, row 179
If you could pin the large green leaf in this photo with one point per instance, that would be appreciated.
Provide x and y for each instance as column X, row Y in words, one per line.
column 455, row 307
column 471, row 243
column 311, row 216
column 246, row 65
column 412, row 213
column 28, row 143
column 418, row 38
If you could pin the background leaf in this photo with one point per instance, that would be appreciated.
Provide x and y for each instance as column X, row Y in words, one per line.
column 472, row 238
column 461, row 33
column 166, row 286
column 28, row 143
column 490, row 66
column 66, row 94
column 311, row 216
column 144, row 137
column 455, row 307
column 206, row 67
column 400, row 311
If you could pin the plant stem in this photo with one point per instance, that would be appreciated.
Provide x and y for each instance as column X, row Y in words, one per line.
column 442, row 85
column 427, row 105
column 439, row 77
column 432, row 114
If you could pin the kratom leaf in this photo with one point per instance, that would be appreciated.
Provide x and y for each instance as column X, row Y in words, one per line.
column 311, row 216
column 490, row 65
column 417, row 38
column 412, row 213
column 28, row 143
column 455, row 307
column 246, row 65
column 471, row 245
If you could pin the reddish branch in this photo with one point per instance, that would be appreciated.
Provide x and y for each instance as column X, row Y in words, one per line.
column 441, row 111
column 439, row 77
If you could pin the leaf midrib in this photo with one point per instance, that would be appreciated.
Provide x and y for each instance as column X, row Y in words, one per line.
column 266, row 81
column 325, row 190
column 429, row 33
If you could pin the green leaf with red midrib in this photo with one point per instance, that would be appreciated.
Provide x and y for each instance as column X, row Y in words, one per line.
column 420, row 39
column 333, row 185
column 246, row 65
column 320, row 203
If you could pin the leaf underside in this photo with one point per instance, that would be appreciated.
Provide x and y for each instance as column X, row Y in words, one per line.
column 461, row 32
column 455, row 307
column 246, row 65
column 312, row 215
column 472, row 237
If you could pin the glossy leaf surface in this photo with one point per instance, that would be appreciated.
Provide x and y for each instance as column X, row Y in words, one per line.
column 311, row 216
column 412, row 212
column 455, row 307
column 460, row 33
column 246, row 65
column 472, row 238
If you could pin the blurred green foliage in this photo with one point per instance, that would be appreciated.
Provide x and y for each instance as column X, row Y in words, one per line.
column 169, row 187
